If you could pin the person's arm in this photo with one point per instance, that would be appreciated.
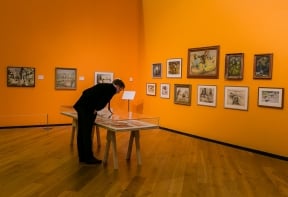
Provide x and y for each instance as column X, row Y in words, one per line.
column 109, row 108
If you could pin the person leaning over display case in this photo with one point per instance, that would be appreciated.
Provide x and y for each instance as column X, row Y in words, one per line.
column 92, row 100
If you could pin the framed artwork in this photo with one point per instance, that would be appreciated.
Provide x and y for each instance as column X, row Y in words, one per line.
column 174, row 68
column 20, row 77
column 236, row 97
column 65, row 78
column 234, row 64
column 182, row 94
column 203, row 62
column 270, row 97
column 263, row 64
column 157, row 70
column 165, row 90
column 207, row 95
column 151, row 89
column 103, row 77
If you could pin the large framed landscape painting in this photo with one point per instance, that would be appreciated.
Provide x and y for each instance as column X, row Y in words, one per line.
column 203, row 62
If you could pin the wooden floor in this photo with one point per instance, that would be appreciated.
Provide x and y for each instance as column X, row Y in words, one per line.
column 40, row 162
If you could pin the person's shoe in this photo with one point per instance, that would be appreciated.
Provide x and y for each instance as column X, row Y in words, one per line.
column 93, row 161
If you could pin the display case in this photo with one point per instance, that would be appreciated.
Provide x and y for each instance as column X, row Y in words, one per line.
column 126, row 121
column 119, row 121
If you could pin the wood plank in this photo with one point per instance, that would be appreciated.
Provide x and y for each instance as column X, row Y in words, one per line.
column 39, row 162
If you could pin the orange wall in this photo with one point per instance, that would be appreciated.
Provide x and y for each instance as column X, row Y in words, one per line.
column 90, row 35
column 249, row 27
column 95, row 36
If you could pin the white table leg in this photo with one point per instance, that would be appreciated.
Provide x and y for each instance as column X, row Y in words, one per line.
column 130, row 145
column 107, row 148
column 111, row 137
column 74, row 129
column 98, row 136
column 114, row 146
column 137, row 143
column 134, row 135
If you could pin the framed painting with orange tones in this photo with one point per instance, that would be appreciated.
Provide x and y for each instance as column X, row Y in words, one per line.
column 203, row 62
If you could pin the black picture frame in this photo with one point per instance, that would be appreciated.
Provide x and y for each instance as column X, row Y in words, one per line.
column 20, row 76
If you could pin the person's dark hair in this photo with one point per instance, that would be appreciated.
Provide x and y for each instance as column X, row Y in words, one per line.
column 119, row 83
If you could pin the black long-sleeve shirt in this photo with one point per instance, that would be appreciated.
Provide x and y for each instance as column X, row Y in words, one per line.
column 95, row 98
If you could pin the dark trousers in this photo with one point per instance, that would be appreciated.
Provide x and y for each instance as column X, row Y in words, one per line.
column 84, row 134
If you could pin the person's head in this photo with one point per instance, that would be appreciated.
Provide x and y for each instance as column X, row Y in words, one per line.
column 119, row 84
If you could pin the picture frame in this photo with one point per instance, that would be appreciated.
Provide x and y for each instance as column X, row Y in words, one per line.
column 263, row 65
column 182, row 94
column 236, row 97
column 151, row 89
column 174, row 68
column 207, row 95
column 203, row 62
column 103, row 77
column 20, row 76
column 65, row 78
column 270, row 97
column 165, row 90
column 157, row 70
column 234, row 66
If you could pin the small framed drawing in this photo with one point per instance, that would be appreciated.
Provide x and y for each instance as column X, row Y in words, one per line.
column 151, row 89
column 203, row 62
column 270, row 97
column 103, row 77
column 164, row 90
column 236, row 97
column 234, row 64
column 157, row 70
column 174, row 68
column 207, row 95
column 65, row 78
column 182, row 94
column 20, row 77
column 263, row 64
